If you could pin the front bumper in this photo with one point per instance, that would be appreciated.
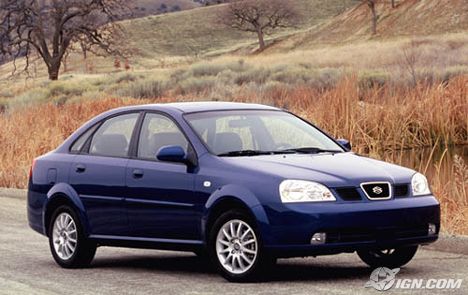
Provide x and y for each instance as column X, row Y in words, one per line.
column 349, row 225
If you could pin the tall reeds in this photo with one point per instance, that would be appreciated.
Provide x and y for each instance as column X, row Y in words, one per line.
column 376, row 119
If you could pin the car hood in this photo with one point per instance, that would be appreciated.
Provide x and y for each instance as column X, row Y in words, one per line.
column 334, row 170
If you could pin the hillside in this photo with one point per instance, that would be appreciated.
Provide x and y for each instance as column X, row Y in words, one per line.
column 409, row 18
column 179, row 37
column 198, row 32
column 332, row 36
column 143, row 8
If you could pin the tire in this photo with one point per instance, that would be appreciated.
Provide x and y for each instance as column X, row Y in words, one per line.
column 389, row 257
column 228, row 249
column 201, row 254
column 68, row 244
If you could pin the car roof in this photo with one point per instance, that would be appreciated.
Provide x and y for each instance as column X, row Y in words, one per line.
column 203, row 106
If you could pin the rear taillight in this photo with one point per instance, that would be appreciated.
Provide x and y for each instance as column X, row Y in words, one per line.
column 32, row 168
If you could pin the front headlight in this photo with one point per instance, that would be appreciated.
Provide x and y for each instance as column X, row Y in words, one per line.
column 292, row 191
column 419, row 185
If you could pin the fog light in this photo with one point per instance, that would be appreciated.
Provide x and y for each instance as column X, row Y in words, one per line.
column 318, row 238
column 432, row 229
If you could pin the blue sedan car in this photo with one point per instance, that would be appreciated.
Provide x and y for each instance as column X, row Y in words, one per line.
column 243, row 184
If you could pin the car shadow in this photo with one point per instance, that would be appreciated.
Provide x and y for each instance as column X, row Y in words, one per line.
column 166, row 263
column 285, row 270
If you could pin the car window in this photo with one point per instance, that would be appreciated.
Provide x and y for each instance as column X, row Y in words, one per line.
column 158, row 131
column 229, row 125
column 287, row 131
column 114, row 135
column 79, row 143
column 229, row 131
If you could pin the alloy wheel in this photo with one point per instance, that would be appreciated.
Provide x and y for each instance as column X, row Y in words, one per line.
column 64, row 236
column 236, row 246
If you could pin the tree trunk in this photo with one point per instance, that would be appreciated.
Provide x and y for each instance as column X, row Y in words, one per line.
column 375, row 17
column 393, row 3
column 54, row 71
column 85, row 53
column 261, row 41
column 65, row 62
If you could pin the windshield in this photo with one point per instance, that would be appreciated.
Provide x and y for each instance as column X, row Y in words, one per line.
column 252, row 132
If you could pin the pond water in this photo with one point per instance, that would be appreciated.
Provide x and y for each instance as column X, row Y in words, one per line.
column 435, row 162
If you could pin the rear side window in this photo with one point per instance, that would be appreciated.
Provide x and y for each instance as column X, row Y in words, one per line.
column 113, row 137
column 158, row 131
column 80, row 142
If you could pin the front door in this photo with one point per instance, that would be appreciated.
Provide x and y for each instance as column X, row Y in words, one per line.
column 160, row 201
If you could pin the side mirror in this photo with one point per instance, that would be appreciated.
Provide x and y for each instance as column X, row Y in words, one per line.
column 172, row 153
column 344, row 143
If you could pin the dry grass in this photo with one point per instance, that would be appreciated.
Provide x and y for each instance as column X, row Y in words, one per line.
column 453, row 195
column 448, row 173
column 376, row 120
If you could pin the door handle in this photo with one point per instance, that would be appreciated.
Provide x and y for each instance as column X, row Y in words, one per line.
column 137, row 173
column 80, row 168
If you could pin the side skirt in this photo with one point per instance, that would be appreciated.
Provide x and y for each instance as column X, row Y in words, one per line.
column 147, row 243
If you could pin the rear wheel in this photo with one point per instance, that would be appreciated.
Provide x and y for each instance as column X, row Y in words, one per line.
column 236, row 249
column 68, row 244
column 395, row 257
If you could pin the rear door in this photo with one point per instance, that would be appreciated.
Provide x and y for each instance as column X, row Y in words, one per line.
column 160, row 201
column 98, row 174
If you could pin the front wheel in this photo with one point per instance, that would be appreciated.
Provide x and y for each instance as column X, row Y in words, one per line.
column 235, row 248
column 68, row 244
column 388, row 257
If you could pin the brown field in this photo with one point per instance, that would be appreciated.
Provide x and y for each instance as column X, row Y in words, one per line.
column 377, row 120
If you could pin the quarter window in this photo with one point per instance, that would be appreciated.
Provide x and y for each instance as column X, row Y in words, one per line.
column 158, row 131
column 114, row 135
column 79, row 143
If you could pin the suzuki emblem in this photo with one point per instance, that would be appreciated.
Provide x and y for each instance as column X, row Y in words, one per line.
column 377, row 190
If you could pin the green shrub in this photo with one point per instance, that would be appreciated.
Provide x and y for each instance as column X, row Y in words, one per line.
column 239, row 66
column 66, row 88
column 6, row 93
column 256, row 75
column 327, row 78
column 195, row 85
column 204, row 69
column 125, row 78
column 451, row 72
column 291, row 75
column 142, row 89
column 37, row 95
column 370, row 79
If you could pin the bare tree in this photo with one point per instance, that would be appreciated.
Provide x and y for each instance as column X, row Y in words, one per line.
column 48, row 27
column 410, row 56
column 259, row 16
column 371, row 4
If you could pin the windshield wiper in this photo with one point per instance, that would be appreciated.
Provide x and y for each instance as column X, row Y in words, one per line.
column 303, row 150
column 244, row 153
column 254, row 153
column 310, row 150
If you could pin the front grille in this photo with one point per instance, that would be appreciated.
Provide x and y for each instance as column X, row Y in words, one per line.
column 348, row 193
column 376, row 190
column 400, row 190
